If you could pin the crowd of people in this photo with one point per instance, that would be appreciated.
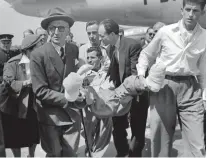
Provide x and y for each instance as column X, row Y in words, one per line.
column 53, row 90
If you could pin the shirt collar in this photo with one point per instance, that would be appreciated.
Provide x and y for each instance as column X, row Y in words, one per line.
column 57, row 47
column 117, row 43
column 24, row 60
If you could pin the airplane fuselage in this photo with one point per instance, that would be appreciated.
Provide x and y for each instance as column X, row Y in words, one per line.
column 125, row 12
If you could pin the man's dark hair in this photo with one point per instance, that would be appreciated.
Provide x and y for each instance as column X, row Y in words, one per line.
column 95, row 48
column 110, row 26
column 91, row 23
column 202, row 3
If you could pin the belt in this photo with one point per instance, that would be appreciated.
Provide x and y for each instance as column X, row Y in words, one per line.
column 181, row 77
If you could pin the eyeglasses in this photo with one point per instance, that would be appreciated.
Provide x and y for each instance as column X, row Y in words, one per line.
column 60, row 28
column 151, row 34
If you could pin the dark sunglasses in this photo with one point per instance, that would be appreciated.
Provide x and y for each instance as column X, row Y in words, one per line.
column 151, row 34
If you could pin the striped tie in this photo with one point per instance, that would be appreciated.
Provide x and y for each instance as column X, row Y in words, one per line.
column 62, row 54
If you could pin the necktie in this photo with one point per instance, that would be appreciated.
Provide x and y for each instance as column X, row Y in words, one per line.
column 62, row 54
column 113, row 71
column 111, row 51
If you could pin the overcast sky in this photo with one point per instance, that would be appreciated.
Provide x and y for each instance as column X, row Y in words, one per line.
column 15, row 23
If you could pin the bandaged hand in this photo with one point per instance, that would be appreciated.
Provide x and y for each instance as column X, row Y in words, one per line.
column 133, row 85
column 84, row 68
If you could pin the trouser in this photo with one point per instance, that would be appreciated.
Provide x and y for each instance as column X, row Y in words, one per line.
column 181, row 95
column 2, row 145
column 138, row 117
column 204, row 129
column 98, row 133
column 60, row 141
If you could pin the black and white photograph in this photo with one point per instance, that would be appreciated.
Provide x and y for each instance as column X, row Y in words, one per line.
column 102, row 78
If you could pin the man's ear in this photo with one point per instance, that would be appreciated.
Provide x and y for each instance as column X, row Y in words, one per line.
column 181, row 10
column 203, row 11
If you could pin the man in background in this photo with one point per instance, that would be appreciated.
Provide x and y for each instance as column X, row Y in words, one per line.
column 148, row 36
column 92, row 32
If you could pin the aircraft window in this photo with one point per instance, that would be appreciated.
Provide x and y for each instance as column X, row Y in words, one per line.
column 161, row 1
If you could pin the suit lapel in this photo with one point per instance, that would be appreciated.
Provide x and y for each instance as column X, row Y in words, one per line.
column 122, row 56
column 56, row 60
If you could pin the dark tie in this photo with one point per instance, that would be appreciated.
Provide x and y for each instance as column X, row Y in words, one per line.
column 62, row 54
column 113, row 71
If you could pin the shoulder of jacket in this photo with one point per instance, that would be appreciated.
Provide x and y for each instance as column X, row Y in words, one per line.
column 15, row 58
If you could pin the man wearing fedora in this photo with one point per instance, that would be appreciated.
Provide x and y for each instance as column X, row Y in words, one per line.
column 59, row 120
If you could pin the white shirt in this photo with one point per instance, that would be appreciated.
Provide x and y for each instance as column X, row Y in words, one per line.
column 57, row 48
column 117, row 45
column 182, row 58
column 26, row 62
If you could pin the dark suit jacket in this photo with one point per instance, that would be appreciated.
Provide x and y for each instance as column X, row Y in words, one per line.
column 129, row 51
column 48, row 72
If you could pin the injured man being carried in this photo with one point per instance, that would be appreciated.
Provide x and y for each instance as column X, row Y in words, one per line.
column 103, row 99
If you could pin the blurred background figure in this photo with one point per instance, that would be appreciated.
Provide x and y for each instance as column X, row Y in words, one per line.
column 5, row 51
column 69, row 39
column 121, row 32
column 149, row 36
column 157, row 26
column 27, row 32
column 20, row 114
column 43, row 33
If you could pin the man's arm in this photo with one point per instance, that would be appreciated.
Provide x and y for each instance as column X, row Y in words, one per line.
column 149, row 53
column 202, row 68
column 40, row 83
column 9, row 76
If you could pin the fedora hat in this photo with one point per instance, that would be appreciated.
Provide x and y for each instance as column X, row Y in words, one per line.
column 30, row 40
column 56, row 14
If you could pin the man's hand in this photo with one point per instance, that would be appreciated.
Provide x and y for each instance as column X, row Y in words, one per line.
column 81, row 97
column 27, row 83
column 80, row 102
column 143, row 83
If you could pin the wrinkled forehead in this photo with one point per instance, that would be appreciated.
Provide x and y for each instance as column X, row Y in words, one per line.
column 93, row 53
column 59, row 23
column 92, row 28
column 192, row 5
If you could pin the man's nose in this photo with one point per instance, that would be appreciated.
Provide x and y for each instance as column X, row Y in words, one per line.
column 56, row 31
column 191, row 13
column 100, row 39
